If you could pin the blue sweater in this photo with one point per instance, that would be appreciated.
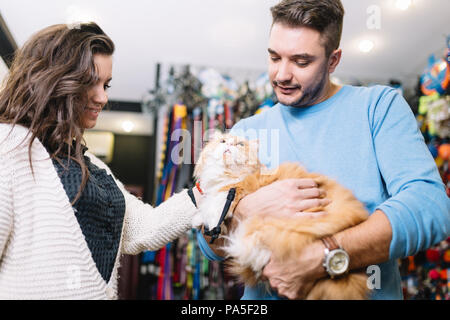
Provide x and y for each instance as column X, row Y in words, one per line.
column 368, row 140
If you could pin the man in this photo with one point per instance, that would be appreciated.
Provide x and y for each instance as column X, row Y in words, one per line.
column 365, row 138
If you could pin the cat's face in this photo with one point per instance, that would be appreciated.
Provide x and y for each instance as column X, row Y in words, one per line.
column 233, row 156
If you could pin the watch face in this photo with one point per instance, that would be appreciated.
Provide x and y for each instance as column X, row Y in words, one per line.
column 339, row 262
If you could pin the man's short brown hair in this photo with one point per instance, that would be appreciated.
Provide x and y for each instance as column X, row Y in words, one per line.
column 325, row 16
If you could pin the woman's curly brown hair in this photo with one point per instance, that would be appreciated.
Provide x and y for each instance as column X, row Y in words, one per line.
column 46, row 89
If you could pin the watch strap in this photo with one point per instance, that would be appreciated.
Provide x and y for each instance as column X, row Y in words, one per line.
column 330, row 243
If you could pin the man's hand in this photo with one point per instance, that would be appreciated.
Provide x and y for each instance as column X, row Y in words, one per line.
column 295, row 277
column 285, row 197
column 291, row 197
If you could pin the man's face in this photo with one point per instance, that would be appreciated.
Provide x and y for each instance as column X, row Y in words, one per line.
column 298, row 67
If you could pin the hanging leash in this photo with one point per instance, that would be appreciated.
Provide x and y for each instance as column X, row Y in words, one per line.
column 215, row 233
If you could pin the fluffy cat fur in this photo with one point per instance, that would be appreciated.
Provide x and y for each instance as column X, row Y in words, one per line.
column 231, row 162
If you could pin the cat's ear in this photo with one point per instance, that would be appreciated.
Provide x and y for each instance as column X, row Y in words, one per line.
column 212, row 136
column 217, row 135
column 201, row 159
column 198, row 168
column 206, row 153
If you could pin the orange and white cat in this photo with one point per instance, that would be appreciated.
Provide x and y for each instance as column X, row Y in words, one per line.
column 232, row 162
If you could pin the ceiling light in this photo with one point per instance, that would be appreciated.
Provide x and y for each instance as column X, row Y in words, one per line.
column 366, row 46
column 403, row 4
column 127, row 126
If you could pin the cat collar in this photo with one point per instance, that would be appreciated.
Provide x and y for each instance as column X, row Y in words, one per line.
column 214, row 233
column 197, row 185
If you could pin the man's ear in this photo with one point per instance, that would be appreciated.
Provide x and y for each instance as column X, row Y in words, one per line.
column 334, row 60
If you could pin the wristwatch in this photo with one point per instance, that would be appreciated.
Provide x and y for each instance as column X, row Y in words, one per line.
column 336, row 260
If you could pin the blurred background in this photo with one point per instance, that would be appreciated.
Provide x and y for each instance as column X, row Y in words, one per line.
column 177, row 62
column 232, row 36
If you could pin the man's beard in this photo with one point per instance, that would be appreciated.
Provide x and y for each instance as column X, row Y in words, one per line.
column 310, row 95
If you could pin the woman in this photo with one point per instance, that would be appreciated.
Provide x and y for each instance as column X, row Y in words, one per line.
column 64, row 219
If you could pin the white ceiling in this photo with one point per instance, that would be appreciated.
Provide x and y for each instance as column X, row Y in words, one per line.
column 232, row 35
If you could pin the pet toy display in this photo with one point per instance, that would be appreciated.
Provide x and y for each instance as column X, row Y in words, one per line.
column 436, row 77
column 426, row 276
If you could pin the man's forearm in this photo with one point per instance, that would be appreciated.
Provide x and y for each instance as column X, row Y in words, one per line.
column 367, row 243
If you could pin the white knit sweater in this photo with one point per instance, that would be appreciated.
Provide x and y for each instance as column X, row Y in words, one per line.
column 43, row 253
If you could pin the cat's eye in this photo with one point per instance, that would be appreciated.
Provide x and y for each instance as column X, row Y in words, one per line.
column 222, row 141
column 240, row 144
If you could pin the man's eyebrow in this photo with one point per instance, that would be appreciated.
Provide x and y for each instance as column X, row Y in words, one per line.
column 303, row 56
column 272, row 51
column 300, row 56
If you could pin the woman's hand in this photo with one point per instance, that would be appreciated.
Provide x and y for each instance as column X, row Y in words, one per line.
column 285, row 197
